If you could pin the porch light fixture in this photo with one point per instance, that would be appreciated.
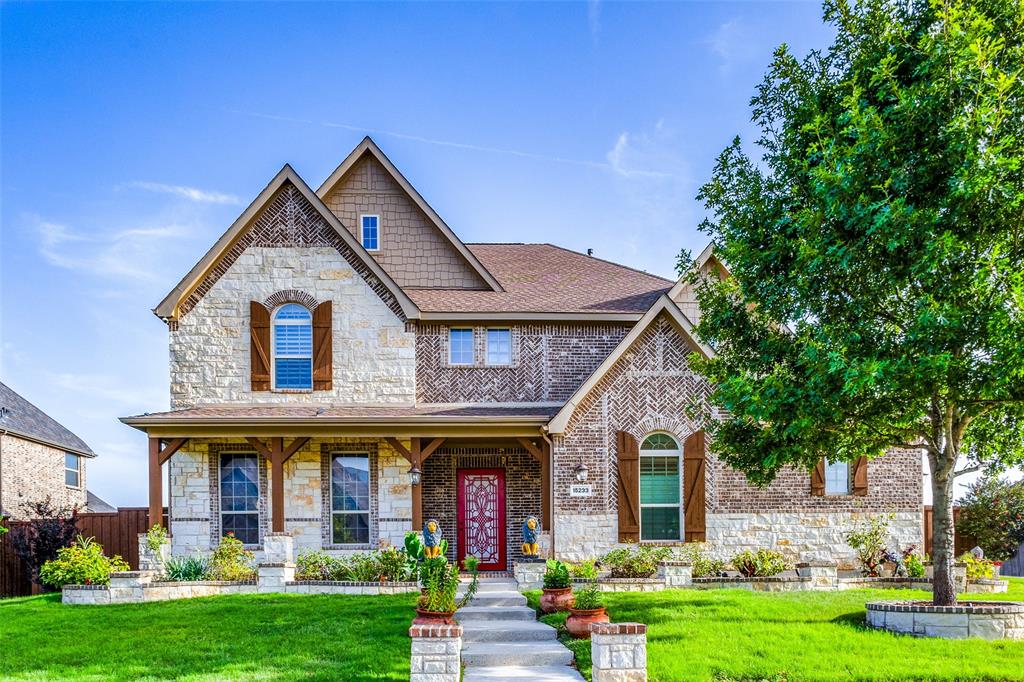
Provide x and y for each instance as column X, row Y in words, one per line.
column 581, row 472
column 415, row 475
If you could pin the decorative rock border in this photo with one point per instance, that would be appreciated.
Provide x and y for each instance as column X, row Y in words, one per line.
column 777, row 583
column 860, row 583
column 988, row 585
column 623, row 584
column 343, row 587
column 984, row 620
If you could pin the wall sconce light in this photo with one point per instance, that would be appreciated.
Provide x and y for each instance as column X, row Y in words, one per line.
column 415, row 475
column 581, row 472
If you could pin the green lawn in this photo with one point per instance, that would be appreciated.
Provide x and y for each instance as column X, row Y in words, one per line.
column 258, row 637
column 726, row 635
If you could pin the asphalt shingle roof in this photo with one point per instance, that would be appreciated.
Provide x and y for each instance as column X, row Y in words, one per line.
column 21, row 417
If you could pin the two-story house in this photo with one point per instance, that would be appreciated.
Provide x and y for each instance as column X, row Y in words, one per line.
column 343, row 367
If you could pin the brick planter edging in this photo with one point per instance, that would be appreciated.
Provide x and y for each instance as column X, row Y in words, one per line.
column 618, row 629
column 435, row 630
column 974, row 607
column 436, row 653
column 983, row 620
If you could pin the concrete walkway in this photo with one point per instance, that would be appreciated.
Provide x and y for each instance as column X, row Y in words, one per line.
column 502, row 639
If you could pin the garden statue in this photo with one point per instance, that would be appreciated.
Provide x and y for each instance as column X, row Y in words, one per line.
column 431, row 539
column 978, row 553
column 530, row 529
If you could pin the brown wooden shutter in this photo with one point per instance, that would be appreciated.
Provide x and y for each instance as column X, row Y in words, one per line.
column 693, row 477
column 860, row 476
column 322, row 347
column 818, row 479
column 259, row 347
column 629, row 488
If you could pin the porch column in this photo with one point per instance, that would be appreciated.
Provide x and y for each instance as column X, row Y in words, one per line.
column 417, row 490
column 156, row 496
column 277, row 484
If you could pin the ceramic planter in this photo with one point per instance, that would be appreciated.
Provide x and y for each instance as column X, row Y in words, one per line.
column 579, row 620
column 434, row 617
column 553, row 600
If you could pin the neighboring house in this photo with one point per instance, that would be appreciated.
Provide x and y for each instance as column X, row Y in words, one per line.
column 39, row 459
column 343, row 367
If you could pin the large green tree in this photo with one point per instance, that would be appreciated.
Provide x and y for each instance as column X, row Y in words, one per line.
column 877, row 252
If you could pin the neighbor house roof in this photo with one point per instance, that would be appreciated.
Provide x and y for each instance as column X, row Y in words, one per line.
column 542, row 279
column 95, row 504
column 21, row 418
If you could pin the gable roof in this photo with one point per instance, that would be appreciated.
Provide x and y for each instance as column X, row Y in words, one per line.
column 708, row 254
column 546, row 280
column 168, row 307
column 664, row 305
column 21, row 418
column 368, row 146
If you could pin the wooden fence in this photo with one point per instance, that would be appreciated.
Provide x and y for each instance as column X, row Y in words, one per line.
column 118, row 532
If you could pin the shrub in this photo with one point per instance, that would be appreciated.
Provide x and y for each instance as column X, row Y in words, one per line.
column 703, row 565
column 978, row 569
column 585, row 570
column 640, row 562
column 393, row 564
column 588, row 598
column 232, row 561
column 868, row 540
column 913, row 562
column 363, row 568
column 186, row 569
column 156, row 537
column 50, row 529
column 556, row 575
column 992, row 512
column 763, row 563
column 80, row 563
column 314, row 565
column 441, row 581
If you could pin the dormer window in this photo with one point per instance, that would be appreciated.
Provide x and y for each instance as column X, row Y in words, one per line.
column 293, row 348
column 371, row 232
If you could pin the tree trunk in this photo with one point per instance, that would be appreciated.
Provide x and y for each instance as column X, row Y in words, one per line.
column 943, row 585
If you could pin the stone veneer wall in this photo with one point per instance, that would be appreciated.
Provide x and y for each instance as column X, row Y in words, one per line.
column 522, row 491
column 549, row 362
column 194, row 497
column 32, row 472
column 412, row 250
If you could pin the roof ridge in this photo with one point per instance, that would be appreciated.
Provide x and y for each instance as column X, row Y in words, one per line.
column 609, row 262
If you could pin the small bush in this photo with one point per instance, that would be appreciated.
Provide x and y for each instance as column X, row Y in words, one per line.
column 81, row 563
column 232, row 561
column 641, row 562
column 869, row 541
column 913, row 562
column 314, row 565
column 393, row 564
column 978, row 569
column 763, row 563
column 585, row 570
column 156, row 537
column 188, row 568
column 588, row 598
column 703, row 565
column 556, row 575
column 38, row 541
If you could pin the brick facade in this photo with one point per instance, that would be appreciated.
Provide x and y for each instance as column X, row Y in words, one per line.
column 33, row 472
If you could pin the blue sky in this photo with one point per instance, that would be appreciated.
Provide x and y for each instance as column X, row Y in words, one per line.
column 132, row 135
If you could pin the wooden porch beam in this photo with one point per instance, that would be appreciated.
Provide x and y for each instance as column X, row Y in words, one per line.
column 537, row 453
column 170, row 448
column 294, row 447
column 431, row 447
column 156, row 496
column 417, row 490
column 260, row 447
column 277, row 484
column 545, row 486
column 399, row 448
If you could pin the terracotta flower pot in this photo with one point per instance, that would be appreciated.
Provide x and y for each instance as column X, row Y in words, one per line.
column 434, row 617
column 553, row 600
column 579, row 620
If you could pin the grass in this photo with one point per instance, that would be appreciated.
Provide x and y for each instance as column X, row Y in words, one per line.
column 240, row 637
column 727, row 635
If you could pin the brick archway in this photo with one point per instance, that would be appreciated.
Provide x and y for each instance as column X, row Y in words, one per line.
column 290, row 296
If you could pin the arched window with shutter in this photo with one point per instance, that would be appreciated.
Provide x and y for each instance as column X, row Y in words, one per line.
column 661, row 509
column 292, row 347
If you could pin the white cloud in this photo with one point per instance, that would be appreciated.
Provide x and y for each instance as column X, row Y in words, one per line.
column 733, row 42
column 594, row 18
column 109, row 389
column 191, row 193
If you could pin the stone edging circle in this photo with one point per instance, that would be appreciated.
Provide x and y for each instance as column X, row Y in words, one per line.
column 968, row 607
column 989, row 620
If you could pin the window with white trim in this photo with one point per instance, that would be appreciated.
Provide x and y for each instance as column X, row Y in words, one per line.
column 293, row 348
column 240, row 496
column 350, row 499
column 460, row 346
column 837, row 478
column 370, row 232
column 499, row 346
column 660, row 487
column 72, row 470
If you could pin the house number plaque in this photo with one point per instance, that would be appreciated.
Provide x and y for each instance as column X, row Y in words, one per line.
column 580, row 490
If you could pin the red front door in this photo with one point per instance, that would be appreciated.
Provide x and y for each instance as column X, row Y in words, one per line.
column 482, row 517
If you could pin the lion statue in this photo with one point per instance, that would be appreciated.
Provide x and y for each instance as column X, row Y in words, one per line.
column 530, row 529
column 431, row 539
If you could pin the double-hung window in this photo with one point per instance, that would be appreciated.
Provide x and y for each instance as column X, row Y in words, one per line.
column 837, row 478
column 240, row 496
column 293, row 348
column 499, row 346
column 460, row 346
column 350, row 499
column 370, row 232
column 72, row 470
column 660, row 468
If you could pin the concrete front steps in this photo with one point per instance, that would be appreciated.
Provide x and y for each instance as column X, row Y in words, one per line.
column 502, row 640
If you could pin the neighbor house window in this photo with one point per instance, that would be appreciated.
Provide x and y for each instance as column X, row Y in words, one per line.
column 72, row 470
column 837, row 478
column 660, row 466
column 460, row 346
column 350, row 499
column 240, row 496
column 499, row 346
column 293, row 347
column 371, row 232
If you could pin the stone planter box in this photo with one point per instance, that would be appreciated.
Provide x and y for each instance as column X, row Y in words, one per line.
column 861, row 583
column 138, row 591
column 346, row 587
column 988, row 585
column 783, row 583
column 984, row 620
column 625, row 584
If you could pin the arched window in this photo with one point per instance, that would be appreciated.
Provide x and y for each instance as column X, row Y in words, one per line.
column 660, row 482
column 293, row 347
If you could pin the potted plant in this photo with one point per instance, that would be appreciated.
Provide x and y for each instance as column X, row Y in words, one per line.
column 557, row 588
column 587, row 608
column 438, row 602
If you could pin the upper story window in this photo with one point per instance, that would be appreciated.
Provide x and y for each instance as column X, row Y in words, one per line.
column 370, row 231
column 350, row 499
column 499, row 346
column 837, row 478
column 240, row 496
column 72, row 470
column 460, row 346
column 660, row 468
column 293, row 348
